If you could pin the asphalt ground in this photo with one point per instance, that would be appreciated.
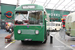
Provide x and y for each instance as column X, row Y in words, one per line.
column 70, row 41
column 17, row 45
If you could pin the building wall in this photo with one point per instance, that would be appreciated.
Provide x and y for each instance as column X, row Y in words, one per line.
column 4, row 9
column 56, row 14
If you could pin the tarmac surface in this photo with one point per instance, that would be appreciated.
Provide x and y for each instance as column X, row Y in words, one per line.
column 70, row 41
column 17, row 45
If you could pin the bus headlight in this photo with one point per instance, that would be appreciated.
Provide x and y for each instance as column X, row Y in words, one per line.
column 19, row 31
column 37, row 32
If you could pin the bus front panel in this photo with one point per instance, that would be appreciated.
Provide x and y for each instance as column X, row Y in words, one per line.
column 35, row 33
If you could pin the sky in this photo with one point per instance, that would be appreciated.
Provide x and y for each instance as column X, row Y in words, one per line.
column 51, row 4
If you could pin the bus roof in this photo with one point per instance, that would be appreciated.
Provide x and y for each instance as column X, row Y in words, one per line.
column 71, row 13
column 29, row 7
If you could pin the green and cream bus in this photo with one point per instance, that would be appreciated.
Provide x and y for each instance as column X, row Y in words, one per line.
column 30, row 23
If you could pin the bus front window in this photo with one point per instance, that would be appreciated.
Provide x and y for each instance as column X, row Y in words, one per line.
column 20, row 17
column 29, row 17
column 35, row 17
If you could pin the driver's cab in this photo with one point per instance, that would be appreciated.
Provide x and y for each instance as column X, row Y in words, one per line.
column 28, row 18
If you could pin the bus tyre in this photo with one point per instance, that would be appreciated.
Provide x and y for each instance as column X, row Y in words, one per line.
column 22, row 41
column 55, row 30
column 45, row 40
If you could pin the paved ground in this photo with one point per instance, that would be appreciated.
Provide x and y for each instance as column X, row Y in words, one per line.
column 17, row 45
column 67, row 39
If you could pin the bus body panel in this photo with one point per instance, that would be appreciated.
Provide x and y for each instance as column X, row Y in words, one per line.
column 28, row 32
column 72, row 29
column 54, row 26
column 70, row 24
column 37, row 7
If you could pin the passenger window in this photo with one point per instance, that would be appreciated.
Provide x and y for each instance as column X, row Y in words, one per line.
column 29, row 17
column 57, row 24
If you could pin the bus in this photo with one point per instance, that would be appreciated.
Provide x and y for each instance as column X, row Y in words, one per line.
column 54, row 26
column 30, row 23
column 70, row 24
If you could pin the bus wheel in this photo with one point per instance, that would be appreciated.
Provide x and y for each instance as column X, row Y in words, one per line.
column 55, row 30
column 22, row 41
column 45, row 40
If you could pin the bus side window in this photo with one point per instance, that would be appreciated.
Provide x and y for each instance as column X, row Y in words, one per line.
column 59, row 24
column 41, row 17
column 56, row 24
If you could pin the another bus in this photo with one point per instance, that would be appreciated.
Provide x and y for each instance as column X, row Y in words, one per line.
column 30, row 23
column 70, row 24
column 56, row 26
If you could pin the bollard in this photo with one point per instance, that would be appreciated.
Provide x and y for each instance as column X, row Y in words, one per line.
column 51, row 39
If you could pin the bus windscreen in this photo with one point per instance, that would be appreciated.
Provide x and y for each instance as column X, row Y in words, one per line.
column 29, row 17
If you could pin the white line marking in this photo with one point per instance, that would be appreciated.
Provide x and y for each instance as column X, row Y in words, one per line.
column 10, row 43
column 63, row 43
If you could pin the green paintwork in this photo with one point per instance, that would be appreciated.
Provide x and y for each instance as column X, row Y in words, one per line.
column 5, row 8
column 32, row 28
column 56, row 14
column 37, row 7
column 25, row 35
column 9, row 7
